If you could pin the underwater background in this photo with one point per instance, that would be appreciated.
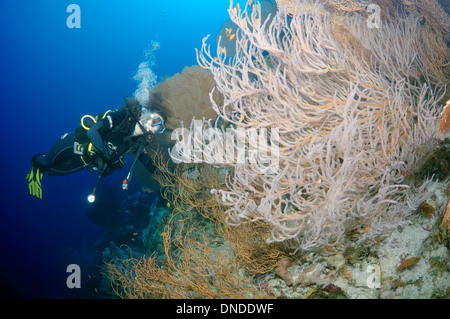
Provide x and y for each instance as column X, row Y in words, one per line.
column 51, row 76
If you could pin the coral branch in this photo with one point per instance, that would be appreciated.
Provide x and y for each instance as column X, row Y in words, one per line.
column 352, row 124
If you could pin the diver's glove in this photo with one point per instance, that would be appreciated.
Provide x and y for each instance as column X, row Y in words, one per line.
column 34, row 178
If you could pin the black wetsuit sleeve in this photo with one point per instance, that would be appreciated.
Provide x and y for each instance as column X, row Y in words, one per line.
column 95, row 137
column 102, row 127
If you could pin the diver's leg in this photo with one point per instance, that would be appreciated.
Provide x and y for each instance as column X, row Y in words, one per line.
column 41, row 161
column 45, row 161
column 61, row 159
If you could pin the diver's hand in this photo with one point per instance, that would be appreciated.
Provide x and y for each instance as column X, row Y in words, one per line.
column 34, row 178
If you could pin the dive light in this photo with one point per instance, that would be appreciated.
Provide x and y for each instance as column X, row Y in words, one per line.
column 91, row 198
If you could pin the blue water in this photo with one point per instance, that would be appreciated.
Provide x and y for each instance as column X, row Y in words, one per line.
column 51, row 75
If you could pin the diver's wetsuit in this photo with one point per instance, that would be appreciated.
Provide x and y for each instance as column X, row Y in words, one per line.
column 113, row 141
column 112, row 137
column 61, row 159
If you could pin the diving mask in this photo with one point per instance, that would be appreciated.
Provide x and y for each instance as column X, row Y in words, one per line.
column 153, row 122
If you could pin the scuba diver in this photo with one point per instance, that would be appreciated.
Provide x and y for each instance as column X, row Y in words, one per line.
column 100, row 143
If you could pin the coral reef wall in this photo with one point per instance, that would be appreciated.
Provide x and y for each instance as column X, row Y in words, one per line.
column 354, row 123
